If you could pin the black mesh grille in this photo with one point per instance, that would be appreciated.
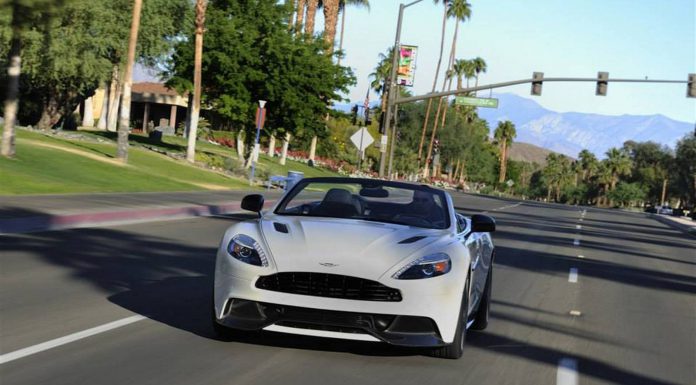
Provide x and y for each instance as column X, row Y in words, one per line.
column 328, row 285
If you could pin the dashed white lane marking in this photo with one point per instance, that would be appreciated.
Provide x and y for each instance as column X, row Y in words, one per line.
column 17, row 354
column 581, row 256
column 578, row 227
column 503, row 207
column 576, row 242
column 567, row 373
column 573, row 275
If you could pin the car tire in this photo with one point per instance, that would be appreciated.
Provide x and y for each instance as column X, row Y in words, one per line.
column 483, row 311
column 455, row 350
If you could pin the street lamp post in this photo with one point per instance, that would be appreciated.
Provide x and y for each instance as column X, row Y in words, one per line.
column 260, row 118
column 393, row 89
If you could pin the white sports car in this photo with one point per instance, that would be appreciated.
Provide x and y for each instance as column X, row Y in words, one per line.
column 358, row 259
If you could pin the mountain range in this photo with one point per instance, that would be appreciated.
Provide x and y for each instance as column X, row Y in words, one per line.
column 570, row 132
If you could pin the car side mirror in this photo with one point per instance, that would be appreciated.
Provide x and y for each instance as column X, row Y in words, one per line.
column 253, row 202
column 482, row 224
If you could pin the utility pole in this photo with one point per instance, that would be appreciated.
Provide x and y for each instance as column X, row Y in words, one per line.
column 393, row 89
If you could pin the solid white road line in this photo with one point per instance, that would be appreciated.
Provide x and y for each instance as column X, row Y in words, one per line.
column 567, row 373
column 17, row 354
column 573, row 275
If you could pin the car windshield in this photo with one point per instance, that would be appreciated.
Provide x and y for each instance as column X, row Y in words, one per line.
column 378, row 201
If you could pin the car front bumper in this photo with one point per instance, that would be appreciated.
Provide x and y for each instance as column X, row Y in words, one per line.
column 427, row 315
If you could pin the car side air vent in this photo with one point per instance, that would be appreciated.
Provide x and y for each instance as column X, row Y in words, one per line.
column 280, row 227
column 412, row 239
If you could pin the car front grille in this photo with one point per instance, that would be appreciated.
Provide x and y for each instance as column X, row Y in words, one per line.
column 328, row 285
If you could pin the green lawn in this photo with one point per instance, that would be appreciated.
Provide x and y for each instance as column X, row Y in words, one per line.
column 79, row 167
column 47, row 164
column 177, row 144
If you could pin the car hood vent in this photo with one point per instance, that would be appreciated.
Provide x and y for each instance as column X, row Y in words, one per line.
column 412, row 239
column 280, row 227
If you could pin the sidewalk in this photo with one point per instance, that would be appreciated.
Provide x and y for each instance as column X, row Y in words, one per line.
column 22, row 214
column 683, row 223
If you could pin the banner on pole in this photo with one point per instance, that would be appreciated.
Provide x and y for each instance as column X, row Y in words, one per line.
column 406, row 68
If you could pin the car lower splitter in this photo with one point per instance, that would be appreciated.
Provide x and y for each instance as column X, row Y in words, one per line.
column 398, row 330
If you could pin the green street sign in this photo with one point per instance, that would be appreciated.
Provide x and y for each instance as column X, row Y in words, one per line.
column 478, row 102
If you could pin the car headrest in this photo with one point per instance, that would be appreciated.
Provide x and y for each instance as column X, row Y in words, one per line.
column 338, row 195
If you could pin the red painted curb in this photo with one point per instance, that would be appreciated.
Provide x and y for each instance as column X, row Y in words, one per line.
column 69, row 221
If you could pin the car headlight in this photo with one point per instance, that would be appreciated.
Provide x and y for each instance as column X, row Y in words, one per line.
column 429, row 266
column 244, row 248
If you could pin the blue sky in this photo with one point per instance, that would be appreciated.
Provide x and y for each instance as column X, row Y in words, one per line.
column 577, row 38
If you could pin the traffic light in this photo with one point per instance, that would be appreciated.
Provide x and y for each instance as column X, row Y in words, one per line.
column 691, row 86
column 436, row 146
column 368, row 119
column 355, row 115
column 602, row 83
column 536, row 84
column 381, row 123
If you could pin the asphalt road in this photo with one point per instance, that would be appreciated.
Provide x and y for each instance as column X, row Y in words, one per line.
column 632, row 294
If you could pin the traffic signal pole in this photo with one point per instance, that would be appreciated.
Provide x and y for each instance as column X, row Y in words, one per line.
column 532, row 80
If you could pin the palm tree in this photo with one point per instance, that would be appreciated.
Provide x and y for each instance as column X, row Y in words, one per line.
column 479, row 66
column 381, row 76
column 437, row 75
column 461, row 69
column 311, row 14
column 588, row 164
column 124, row 121
column 460, row 10
column 558, row 173
column 504, row 133
column 619, row 163
column 604, row 177
column 299, row 19
column 342, row 9
column 330, row 22
column 197, row 62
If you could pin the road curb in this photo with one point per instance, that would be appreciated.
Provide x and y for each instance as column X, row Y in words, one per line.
column 107, row 218
column 691, row 230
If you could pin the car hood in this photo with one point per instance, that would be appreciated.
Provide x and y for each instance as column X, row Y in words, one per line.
column 342, row 246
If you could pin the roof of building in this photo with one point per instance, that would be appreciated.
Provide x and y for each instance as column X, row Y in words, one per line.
column 153, row 88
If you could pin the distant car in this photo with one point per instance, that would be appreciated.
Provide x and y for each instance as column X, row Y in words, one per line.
column 665, row 210
column 650, row 209
column 357, row 259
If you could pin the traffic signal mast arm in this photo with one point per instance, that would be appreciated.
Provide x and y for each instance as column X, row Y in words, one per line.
column 690, row 83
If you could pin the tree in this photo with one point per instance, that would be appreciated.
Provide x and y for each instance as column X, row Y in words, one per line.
column 330, row 23
column 311, row 12
column 619, row 164
column 251, row 56
column 460, row 10
column 626, row 193
column 480, row 66
column 197, row 63
column 124, row 122
column 23, row 16
column 301, row 9
column 380, row 76
column 588, row 164
column 437, row 74
column 504, row 134
column 685, row 170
